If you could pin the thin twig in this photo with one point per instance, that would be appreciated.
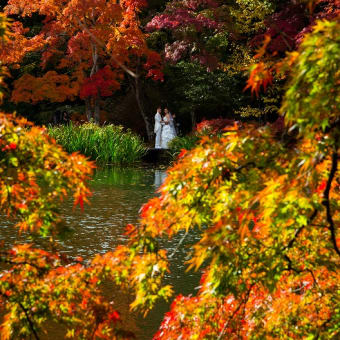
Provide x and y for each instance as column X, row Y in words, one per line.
column 101, row 44
column 178, row 245
column 314, row 278
column 326, row 202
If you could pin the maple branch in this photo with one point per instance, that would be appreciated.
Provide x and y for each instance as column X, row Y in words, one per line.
column 40, row 269
column 254, row 164
column 20, row 263
column 297, row 233
column 326, row 201
column 94, row 58
column 8, row 195
column 283, row 36
column 29, row 321
column 314, row 278
column 290, row 265
column 135, row 86
column 101, row 44
column 324, row 324
column 4, row 258
column 230, row 131
column 94, row 331
column 243, row 302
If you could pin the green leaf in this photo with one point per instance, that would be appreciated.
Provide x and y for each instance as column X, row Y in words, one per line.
column 14, row 161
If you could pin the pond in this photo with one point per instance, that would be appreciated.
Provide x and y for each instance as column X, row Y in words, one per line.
column 118, row 194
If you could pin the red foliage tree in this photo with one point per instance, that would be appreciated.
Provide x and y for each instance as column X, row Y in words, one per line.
column 97, row 34
column 101, row 84
column 284, row 32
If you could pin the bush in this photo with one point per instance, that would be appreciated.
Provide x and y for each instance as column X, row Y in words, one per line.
column 206, row 127
column 213, row 126
column 187, row 142
column 107, row 144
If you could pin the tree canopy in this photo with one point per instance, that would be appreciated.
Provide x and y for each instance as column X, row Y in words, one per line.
column 78, row 43
column 265, row 200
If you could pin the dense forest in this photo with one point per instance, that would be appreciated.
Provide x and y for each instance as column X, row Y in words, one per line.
column 259, row 81
column 192, row 56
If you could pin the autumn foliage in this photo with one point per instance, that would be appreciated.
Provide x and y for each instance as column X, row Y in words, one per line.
column 32, row 196
column 265, row 201
column 101, row 84
column 38, row 282
column 87, row 44
column 284, row 32
column 213, row 125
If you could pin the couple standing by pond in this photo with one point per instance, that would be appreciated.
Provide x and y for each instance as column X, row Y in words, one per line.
column 164, row 128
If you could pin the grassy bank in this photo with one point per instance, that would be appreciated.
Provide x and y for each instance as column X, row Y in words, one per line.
column 107, row 144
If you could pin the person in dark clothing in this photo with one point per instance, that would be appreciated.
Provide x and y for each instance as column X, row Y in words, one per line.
column 65, row 118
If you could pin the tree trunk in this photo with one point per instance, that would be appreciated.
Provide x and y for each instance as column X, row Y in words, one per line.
column 148, row 126
column 193, row 119
column 88, row 109
column 97, row 110
column 135, row 86
column 93, row 106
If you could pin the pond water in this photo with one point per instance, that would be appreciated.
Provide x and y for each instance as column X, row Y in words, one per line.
column 118, row 194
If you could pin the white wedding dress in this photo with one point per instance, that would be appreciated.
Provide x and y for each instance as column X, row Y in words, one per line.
column 168, row 133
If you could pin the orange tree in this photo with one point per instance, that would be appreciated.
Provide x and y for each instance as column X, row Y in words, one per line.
column 266, row 203
column 76, row 41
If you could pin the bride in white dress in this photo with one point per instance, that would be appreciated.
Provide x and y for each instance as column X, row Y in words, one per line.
column 168, row 131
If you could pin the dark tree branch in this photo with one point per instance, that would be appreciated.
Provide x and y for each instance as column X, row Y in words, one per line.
column 291, row 268
column 242, row 303
column 136, row 89
column 29, row 321
column 253, row 164
column 326, row 201
column 314, row 278
column 290, row 265
column 297, row 233
column 323, row 326
column 41, row 270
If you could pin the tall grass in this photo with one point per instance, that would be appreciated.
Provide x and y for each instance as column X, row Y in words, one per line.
column 109, row 144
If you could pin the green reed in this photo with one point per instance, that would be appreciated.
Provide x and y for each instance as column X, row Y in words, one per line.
column 108, row 144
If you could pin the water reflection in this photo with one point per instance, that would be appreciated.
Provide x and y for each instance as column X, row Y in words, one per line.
column 160, row 176
column 118, row 194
